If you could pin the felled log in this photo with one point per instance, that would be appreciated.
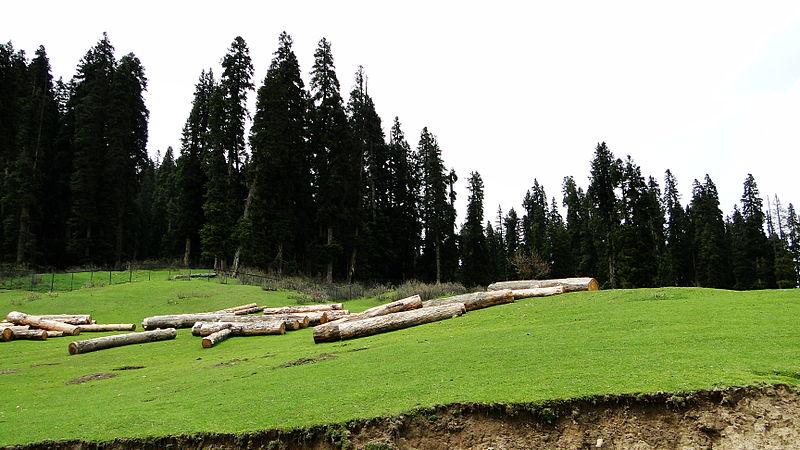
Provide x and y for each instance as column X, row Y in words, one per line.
column 186, row 276
column 108, row 327
column 215, row 338
column 406, row 304
column 119, row 340
column 237, row 308
column 19, row 318
column 14, row 327
column 389, row 322
column 253, row 310
column 240, row 328
column 336, row 314
column 569, row 284
column 6, row 334
column 31, row 335
column 72, row 319
column 55, row 334
column 302, row 308
column 314, row 317
column 475, row 300
column 537, row 292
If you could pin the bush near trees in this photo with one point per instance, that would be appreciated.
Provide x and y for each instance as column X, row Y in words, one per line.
column 315, row 188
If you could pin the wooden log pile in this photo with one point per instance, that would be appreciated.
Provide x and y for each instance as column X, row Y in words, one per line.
column 21, row 326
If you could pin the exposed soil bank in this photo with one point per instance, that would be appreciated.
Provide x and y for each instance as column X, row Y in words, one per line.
column 740, row 418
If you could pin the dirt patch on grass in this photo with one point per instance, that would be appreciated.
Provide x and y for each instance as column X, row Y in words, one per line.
column 231, row 362
column 309, row 360
column 765, row 417
column 8, row 371
column 128, row 368
column 91, row 377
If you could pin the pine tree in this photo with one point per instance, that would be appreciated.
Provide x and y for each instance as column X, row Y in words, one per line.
column 281, row 215
column 472, row 240
column 558, row 239
column 404, row 199
column 534, row 224
column 337, row 165
column 637, row 260
column 711, row 249
column 583, row 255
column 165, row 207
column 91, row 238
column 438, row 213
column 604, row 179
column 677, row 268
column 754, row 257
column 793, row 240
column 511, row 231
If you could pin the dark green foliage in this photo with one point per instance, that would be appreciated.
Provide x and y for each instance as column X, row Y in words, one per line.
column 638, row 241
column 605, row 177
column 558, row 241
column 583, row 257
column 753, row 256
column 404, row 199
column 165, row 208
column 534, row 223
column 711, row 249
column 281, row 216
column 472, row 240
column 511, row 234
column 676, row 269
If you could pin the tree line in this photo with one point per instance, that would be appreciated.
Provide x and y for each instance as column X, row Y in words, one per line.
column 315, row 187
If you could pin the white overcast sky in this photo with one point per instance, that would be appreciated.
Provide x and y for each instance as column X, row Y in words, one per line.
column 514, row 90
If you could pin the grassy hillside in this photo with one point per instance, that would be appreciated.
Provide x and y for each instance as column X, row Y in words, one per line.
column 559, row 347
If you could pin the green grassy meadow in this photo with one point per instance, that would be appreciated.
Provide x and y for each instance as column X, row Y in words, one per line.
column 567, row 346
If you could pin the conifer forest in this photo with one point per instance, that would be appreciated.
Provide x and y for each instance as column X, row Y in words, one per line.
column 309, row 183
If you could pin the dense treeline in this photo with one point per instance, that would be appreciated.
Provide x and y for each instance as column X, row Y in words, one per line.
column 316, row 187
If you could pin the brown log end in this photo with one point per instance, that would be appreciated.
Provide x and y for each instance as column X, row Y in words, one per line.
column 73, row 348
column 593, row 285
column 7, row 335
column 207, row 343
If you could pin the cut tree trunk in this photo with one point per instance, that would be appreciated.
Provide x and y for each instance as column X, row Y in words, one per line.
column 569, row 284
column 187, row 320
column 337, row 314
column 215, row 338
column 314, row 317
column 14, row 327
column 537, row 292
column 253, row 310
column 239, row 328
column 475, row 300
column 19, row 318
column 237, row 308
column 31, row 335
column 55, row 334
column 388, row 322
column 406, row 304
column 108, row 327
column 72, row 319
column 119, row 340
column 302, row 308
column 6, row 334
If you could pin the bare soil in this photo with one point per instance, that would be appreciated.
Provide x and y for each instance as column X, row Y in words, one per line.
column 736, row 418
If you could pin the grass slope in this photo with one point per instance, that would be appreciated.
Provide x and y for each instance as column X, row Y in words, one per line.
column 567, row 346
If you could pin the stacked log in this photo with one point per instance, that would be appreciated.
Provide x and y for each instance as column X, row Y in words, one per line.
column 475, row 300
column 108, row 327
column 389, row 322
column 102, row 343
column 238, row 308
column 72, row 319
column 240, row 328
column 188, row 320
column 537, row 292
column 295, row 309
column 569, row 284
column 19, row 318
column 332, row 327
column 215, row 338
column 31, row 335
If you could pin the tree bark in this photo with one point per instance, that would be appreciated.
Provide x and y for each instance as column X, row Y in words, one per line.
column 244, row 312
column 55, row 334
column 108, row 327
column 43, row 324
column 537, row 292
column 569, row 284
column 302, row 309
column 187, row 251
column 119, row 340
column 245, row 214
column 406, row 304
column 215, row 338
column 239, row 328
column 329, row 270
column 31, row 335
column 388, row 322
column 72, row 319
column 238, row 308
column 475, row 300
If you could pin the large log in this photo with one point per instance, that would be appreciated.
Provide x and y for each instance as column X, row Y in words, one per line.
column 388, row 322
column 537, row 292
column 72, row 319
column 302, row 308
column 240, row 328
column 19, row 318
column 406, row 304
column 32, row 335
column 108, row 327
column 475, row 300
column 253, row 310
column 569, row 284
column 237, row 308
column 215, row 338
column 188, row 320
column 119, row 340
column 55, row 334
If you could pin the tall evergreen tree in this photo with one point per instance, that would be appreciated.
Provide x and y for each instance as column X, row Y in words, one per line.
column 560, row 257
column 604, row 179
column 793, row 240
column 754, row 258
column 281, row 215
column 638, row 258
column 473, row 245
column 165, row 207
column 511, row 231
column 678, row 261
column 404, row 200
column 710, row 247
column 583, row 256
column 534, row 223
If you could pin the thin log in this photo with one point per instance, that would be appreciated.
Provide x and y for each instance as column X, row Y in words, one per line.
column 253, row 310
column 118, row 340
column 302, row 308
column 388, row 322
column 215, row 338
column 240, row 328
column 108, row 327
column 72, row 319
column 569, row 284
column 188, row 320
column 237, row 308
column 537, row 292
column 31, row 335
column 475, row 300
column 19, row 318
column 15, row 327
